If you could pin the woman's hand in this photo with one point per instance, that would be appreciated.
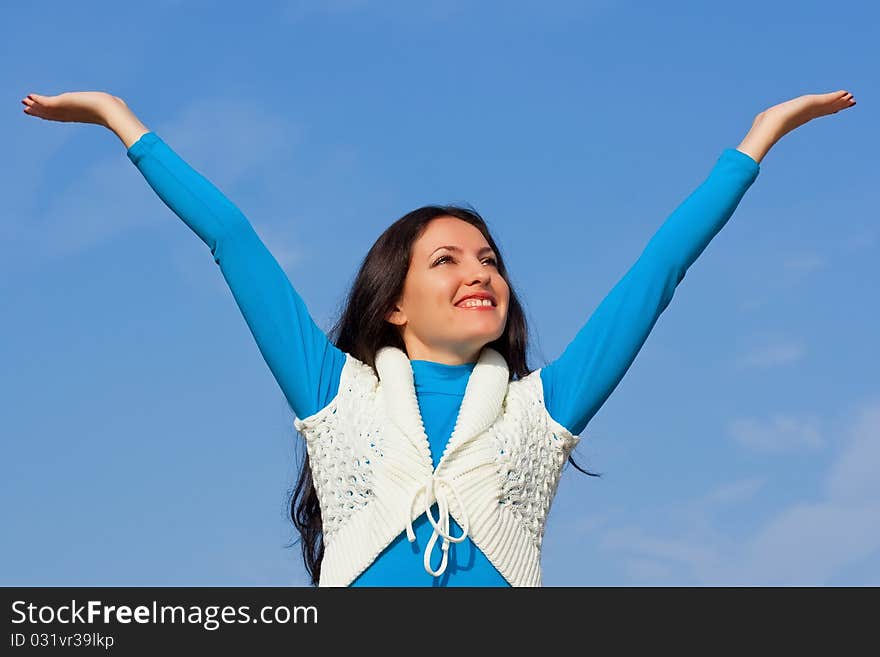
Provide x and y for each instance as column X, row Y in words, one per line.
column 95, row 107
column 73, row 106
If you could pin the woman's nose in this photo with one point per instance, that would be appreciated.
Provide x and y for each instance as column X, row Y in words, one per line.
column 479, row 276
column 479, row 273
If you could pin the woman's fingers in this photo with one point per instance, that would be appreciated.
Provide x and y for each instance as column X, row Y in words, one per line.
column 70, row 106
column 35, row 105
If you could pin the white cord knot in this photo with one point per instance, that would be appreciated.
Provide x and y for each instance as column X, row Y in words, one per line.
column 437, row 486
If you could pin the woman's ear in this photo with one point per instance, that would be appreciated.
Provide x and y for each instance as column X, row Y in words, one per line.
column 396, row 316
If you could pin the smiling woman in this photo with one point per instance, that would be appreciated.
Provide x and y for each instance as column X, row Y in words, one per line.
column 420, row 416
column 435, row 286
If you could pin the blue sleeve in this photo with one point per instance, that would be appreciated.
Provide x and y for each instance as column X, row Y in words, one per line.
column 582, row 378
column 306, row 365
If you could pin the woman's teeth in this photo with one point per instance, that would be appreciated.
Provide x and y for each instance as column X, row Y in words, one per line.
column 475, row 302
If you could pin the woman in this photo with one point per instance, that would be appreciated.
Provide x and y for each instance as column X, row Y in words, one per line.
column 423, row 404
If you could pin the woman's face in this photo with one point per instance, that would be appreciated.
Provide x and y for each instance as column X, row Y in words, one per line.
column 433, row 327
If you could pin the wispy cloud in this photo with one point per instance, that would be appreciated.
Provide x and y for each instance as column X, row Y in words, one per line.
column 809, row 542
column 634, row 539
column 100, row 204
column 194, row 265
column 786, row 272
column 802, row 264
column 864, row 237
column 855, row 475
column 225, row 141
column 646, row 570
column 782, row 352
column 296, row 10
column 232, row 138
column 734, row 492
column 777, row 433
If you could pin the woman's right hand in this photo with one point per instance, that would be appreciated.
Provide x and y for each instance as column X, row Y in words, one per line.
column 73, row 106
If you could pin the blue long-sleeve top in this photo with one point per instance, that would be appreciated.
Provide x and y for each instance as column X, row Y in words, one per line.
column 307, row 366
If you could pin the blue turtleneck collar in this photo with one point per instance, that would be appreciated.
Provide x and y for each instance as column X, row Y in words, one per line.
column 429, row 376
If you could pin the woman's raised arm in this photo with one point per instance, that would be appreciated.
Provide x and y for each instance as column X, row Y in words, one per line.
column 582, row 378
column 306, row 365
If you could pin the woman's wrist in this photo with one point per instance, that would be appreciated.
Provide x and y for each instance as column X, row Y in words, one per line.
column 122, row 121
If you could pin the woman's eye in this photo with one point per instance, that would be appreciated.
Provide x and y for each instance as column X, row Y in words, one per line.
column 442, row 258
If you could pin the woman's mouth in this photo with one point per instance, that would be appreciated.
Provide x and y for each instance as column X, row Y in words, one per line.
column 475, row 304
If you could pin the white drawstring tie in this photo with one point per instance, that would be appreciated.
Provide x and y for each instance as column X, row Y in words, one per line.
column 436, row 486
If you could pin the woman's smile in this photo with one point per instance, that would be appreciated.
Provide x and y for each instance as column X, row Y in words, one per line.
column 479, row 306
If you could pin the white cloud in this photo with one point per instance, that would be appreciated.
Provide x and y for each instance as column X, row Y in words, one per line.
column 634, row 539
column 583, row 525
column 810, row 542
column 225, row 141
column 99, row 205
column 536, row 11
column 278, row 241
column 734, row 492
column 802, row 264
column 779, row 353
column 295, row 10
column 779, row 432
column 864, row 237
column 646, row 570
column 195, row 266
column 784, row 272
column 855, row 475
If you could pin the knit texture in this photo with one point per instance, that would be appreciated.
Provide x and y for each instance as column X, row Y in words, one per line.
column 373, row 473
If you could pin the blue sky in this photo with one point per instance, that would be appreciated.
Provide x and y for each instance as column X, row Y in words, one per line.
column 144, row 440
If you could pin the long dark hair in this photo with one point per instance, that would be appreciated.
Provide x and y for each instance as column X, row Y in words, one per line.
column 362, row 330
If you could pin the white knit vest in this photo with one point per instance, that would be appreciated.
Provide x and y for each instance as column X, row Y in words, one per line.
column 373, row 473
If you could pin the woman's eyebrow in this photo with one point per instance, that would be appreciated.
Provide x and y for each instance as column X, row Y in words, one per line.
column 458, row 250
